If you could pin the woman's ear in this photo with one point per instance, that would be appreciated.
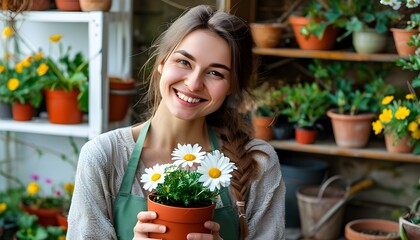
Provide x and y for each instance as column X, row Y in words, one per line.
column 160, row 67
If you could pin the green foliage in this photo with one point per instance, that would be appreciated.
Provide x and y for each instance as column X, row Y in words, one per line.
column 29, row 229
column 181, row 188
column 414, row 22
column 267, row 100
column 305, row 104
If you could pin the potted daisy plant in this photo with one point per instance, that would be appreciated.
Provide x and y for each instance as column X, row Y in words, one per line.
column 187, row 188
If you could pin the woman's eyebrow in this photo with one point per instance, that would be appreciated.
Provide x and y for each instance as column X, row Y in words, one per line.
column 217, row 65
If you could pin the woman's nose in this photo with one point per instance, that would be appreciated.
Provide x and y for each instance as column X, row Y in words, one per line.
column 194, row 82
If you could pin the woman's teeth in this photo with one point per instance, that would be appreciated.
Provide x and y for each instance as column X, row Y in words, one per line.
column 187, row 99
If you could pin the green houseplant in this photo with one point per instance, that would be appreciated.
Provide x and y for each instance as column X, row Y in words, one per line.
column 67, row 80
column 182, row 188
column 305, row 104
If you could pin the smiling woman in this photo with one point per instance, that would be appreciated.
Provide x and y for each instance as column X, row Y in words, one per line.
column 201, row 72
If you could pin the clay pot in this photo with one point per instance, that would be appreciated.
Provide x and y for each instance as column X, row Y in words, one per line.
column 369, row 41
column 22, row 112
column 351, row 131
column 39, row 5
column 68, row 5
column 305, row 135
column 401, row 146
column 263, row 127
column 63, row 107
column 46, row 216
column 312, row 42
column 179, row 221
column 62, row 221
column 120, row 95
column 95, row 5
column 401, row 37
column 266, row 35
column 372, row 229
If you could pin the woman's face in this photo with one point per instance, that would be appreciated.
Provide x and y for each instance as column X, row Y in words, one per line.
column 196, row 77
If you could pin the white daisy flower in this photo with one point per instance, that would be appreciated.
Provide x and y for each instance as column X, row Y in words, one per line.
column 412, row 3
column 153, row 176
column 187, row 155
column 215, row 170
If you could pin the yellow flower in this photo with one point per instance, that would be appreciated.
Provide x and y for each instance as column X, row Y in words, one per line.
column 377, row 127
column 33, row 188
column 42, row 69
column 386, row 115
column 416, row 134
column 26, row 63
column 69, row 187
column 418, row 119
column 13, row 84
column 19, row 67
column 387, row 99
column 402, row 113
column 55, row 38
column 7, row 32
column 413, row 126
column 39, row 56
column 2, row 68
column 7, row 56
column 3, row 207
column 409, row 96
column 62, row 237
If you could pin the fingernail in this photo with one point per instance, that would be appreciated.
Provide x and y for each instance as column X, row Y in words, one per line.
column 162, row 229
column 153, row 215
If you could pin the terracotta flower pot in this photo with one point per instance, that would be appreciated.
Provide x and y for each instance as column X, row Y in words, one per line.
column 62, row 107
column 39, row 5
column 305, row 136
column 312, row 42
column 266, row 35
column 22, row 112
column 401, row 37
column 68, row 5
column 401, row 146
column 62, row 221
column 120, row 95
column 95, row 5
column 351, row 131
column 179, row 221
column 372, row 229
column 263, row 127
column 46, row 216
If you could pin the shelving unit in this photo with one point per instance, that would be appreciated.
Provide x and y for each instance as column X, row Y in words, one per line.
column 374, row 150
column 98, row 30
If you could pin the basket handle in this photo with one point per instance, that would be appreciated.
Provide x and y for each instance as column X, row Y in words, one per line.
column 327, row 183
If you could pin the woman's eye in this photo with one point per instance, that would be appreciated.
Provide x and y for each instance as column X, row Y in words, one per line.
column 216, row 74
column 183, row 62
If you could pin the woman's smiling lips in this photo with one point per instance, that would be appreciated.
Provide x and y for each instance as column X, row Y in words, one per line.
column 188, row 97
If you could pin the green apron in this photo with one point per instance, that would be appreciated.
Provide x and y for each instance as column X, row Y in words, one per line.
column 127, row 206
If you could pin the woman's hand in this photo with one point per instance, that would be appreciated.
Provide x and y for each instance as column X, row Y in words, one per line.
column 214, row 227
column 144, row 225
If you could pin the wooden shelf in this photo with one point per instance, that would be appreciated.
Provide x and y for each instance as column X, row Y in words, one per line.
column 374, row 150
column 331, row 55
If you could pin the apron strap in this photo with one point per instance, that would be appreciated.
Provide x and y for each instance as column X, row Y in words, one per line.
column 130, row 172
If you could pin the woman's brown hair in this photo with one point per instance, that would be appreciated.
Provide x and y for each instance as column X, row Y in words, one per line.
column 235, row 131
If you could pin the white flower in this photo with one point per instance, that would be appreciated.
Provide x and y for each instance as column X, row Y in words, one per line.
column 153, row 176
column 187, row 155
column 215, row 170
column 412, row 3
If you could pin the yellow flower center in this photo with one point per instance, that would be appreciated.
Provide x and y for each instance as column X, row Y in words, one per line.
column 33, row 188
column 156, row 177
column 3, row 207
column 189, row 157
column 55, row 38
column 214, row 172
column 13, row 84
column 42, row 69
column 7, row 32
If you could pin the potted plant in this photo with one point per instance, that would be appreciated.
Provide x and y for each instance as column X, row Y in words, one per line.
column 19, row 78
column 67, row 85
column 319, row 26
column 355, row 108
column 9, row 212
column 44, row 205
column 62, row 216
column 305, row 104
column 410, row 222
column 267, row 101
column 29, row 229
column 178, row 191
column 369, row 23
